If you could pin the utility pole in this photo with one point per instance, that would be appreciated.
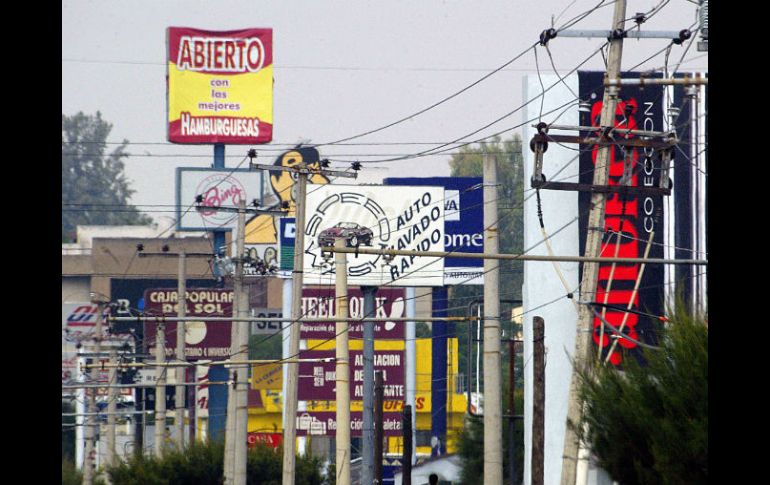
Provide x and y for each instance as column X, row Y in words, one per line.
column 112, row 397
column 241, row 378
column 493, row 435
column 367, row 472
column 538, row 397
column 90, row 431
column 290, row 399
column 342, row 377
column 592, row 249
column 406, row 457
column 160, row 351
column 160, row 388
column 302, row 169
column 180, row 354
column 378, row 426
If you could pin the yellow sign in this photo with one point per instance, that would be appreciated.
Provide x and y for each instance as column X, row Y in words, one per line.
column 267, row 377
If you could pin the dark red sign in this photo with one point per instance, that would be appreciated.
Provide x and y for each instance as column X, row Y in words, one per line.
column 203, row 339
column 316, row 379
column 322, row 303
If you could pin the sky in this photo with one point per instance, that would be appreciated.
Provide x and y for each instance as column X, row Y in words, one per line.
column 343, row 68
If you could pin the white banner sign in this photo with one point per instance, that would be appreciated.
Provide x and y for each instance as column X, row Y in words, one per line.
column 399, row 217
column 218, row 188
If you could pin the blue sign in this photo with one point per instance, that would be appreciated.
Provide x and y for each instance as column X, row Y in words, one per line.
column 463, row 224
column 288, row 228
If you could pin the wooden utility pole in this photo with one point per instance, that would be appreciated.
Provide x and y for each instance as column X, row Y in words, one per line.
column 493, row 406
column 538, row 405
column 592, row 249
column 342, row 378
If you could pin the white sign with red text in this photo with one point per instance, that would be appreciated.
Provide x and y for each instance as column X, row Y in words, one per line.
column 216, row 188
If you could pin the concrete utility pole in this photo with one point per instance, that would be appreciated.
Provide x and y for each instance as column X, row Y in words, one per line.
column 342, row 378
column 592, row 249
column 90, row 431
column 112, row 398
column 292, row 381
column 493, row 406
column 242, row 354
column 180, row 344
column 160, row 389
column 367, row 452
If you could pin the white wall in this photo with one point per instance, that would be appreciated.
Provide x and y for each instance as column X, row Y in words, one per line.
column 541, row 282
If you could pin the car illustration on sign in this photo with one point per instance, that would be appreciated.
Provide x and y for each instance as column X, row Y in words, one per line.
column 355, row 234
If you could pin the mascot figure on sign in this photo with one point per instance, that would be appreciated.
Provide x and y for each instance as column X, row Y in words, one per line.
column 262, row 228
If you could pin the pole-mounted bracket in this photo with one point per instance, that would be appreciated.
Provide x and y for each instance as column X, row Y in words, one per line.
column 662, row 142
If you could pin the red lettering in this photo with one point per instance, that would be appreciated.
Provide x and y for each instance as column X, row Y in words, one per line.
column 229, row 51
column 218, row 54
column 419, row 403
column 199, row 58
column 184, row 55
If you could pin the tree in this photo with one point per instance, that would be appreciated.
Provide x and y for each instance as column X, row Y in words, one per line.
column 94, row 188
column 648, row 424
column 202, row 463
column 470, row 446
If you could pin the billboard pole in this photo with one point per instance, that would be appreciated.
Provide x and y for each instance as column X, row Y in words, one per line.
column 219, row 235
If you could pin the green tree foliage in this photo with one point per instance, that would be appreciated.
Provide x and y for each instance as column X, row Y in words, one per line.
column 91, row 177
column 203, row 464
column 649, row 425
column 470, row 446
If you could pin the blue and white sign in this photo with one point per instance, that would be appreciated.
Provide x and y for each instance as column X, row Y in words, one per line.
column 463, row 224
column 286, row 238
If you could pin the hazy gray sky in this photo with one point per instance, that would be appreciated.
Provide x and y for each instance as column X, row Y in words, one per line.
column 341, row 68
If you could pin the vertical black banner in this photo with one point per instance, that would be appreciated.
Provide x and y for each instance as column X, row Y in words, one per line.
column 633, row 216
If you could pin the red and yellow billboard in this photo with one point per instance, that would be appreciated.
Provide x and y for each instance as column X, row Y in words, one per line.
column 220, row 86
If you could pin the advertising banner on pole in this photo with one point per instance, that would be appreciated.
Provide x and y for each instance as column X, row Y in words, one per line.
column 635, row 217
column 316, row 379
column 322, row 303
column 463, row 224
column 220, row 86
column 203, row 340
column 404, row 218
